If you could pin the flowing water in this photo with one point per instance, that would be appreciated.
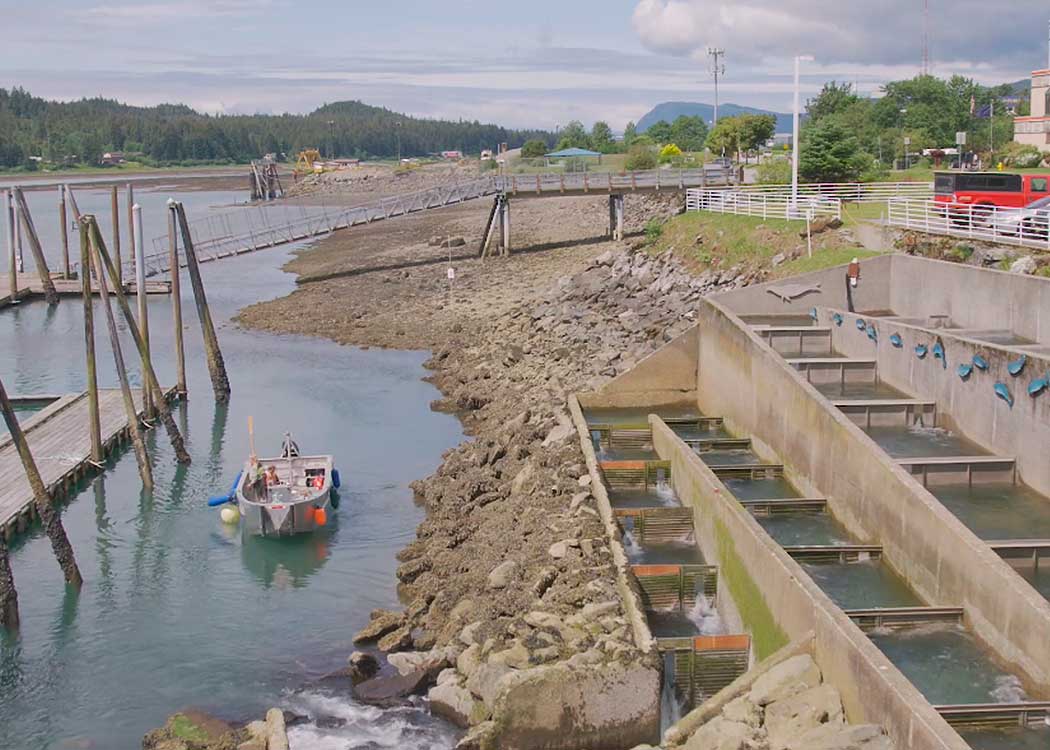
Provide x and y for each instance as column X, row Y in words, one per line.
column 804, row 529
column 179, row 610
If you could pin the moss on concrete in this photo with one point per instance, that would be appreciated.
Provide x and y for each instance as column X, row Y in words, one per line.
column 766, row 636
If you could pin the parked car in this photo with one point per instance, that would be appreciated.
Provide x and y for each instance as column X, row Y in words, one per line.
column 1031, row 221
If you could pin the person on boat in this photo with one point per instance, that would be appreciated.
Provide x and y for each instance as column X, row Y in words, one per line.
column 317, row 482
column 256, row 481
column 271, row 477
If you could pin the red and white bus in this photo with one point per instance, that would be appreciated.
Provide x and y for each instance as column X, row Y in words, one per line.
column 971, row 191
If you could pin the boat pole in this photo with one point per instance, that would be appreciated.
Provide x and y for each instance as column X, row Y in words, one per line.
column 50, row 519
column 160, row 403
column 134, row 428
column 50, row 294
column 140, row 292
column 95, row 424
column 220, row 383
column 176, row 299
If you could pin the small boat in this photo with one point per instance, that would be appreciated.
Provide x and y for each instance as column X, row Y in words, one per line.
column 297, row 502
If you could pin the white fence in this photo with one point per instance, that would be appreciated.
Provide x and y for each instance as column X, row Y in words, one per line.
column 1012, row 226
column 856, row 192
column 762, row 205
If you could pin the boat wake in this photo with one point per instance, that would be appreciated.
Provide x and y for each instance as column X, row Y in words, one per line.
column 337, row 722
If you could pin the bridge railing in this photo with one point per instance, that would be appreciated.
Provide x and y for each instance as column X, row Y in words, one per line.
column 855, row 192
column 1009, row 226
column 762, row 205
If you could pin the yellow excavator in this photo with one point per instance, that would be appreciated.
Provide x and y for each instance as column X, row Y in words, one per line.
column 308, row 162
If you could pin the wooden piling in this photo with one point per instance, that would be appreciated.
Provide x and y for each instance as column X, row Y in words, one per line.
column 140, row 287
column 159, row 402
column 50, row 519
column 9, row 208
column 62, row 220
column 8, row 593
column 134, row 428
column 94, row 419
column 130, row 192
column 176, row 299
column 114, row 205
column 220, row 383
column 38, row 252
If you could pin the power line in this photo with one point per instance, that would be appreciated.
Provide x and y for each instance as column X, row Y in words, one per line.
column 717, row 69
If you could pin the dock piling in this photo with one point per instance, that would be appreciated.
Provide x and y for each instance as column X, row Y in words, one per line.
column 140, row 289
column 132, row 254
column 94, row 417
column 160, row 403
column 176, row 298
column 216, row 366
column 50, row 294
column 134, row 427
column 8, row 593
column 64, row 230
column 9, row 208
column 50, row 519
column 114, row 205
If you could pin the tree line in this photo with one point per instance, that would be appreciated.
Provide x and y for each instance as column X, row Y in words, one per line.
column 79, row 132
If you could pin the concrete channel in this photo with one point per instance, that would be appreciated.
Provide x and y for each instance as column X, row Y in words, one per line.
column 877, row 479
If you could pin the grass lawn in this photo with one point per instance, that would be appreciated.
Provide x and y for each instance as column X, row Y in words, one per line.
column 721, row 241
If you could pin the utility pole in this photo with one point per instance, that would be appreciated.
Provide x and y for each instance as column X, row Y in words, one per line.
column 926, row 37
column 794, row 135
column 397, row 131
column 717, row 69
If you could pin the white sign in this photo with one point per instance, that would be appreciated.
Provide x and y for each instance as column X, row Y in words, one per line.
column 960, row 138
column 451, row 273
column 907, row 141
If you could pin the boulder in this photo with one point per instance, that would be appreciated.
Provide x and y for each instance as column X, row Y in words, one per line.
column 362, row 666
column 788, row 678
column 396, row 639
column 469, row 660
column 503, row 574
column 452, row 701
column 407, row 662
column 517, row 656
column 383, row 621
column 742, row 710
column 276, row 733
column 484, row 683
column 558, row 550
column 843, row 737
column 721, row 734
column 1026, row 265
column 479, row 737
column 790, row 718
column 389, row 690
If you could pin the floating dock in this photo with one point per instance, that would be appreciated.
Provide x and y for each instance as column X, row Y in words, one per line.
column 30, row 286
column 60, row 440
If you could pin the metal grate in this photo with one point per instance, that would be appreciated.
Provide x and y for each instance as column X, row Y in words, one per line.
column 674, row 587
column 706, row 664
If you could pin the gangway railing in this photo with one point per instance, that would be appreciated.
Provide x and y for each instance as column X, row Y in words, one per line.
column 853, row 192
column 1005, row 226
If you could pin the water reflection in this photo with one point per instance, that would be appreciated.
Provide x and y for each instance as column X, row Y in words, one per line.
column 288, row 563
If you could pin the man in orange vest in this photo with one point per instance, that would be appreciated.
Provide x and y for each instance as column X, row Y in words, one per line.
column 852, row 279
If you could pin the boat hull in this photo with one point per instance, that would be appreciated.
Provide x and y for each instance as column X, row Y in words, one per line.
column 293, row 506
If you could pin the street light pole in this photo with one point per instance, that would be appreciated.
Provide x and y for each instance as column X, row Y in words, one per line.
column 794, row 135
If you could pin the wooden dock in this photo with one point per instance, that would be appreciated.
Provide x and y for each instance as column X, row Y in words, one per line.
column 29, row 286
column 59, row 439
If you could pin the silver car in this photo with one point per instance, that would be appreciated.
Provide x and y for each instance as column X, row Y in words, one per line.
column 1032, row 221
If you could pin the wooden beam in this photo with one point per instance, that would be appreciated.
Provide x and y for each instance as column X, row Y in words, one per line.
column 38, row 252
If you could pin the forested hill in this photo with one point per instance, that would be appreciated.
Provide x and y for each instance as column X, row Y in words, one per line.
column 80, row 132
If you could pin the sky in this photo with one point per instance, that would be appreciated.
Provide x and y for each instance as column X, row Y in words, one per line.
column 540, row 63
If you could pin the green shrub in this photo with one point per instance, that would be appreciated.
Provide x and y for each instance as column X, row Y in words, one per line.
column 640, row 156
column 489, row 165
column 533, row 149
column 774, row 172
column 1020, row 156
column 669, row 153
column 654, row 229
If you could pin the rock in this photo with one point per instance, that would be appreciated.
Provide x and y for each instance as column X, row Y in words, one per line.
column 584, row 481
column 789, row 718
column 843, row 737
column 501, row 576
column 468, row 635
column 396, row 639
column 407, row 662
column 484, row 683
column 452, row 701
column 742, row 710
column 721, row 734
column 480, row 737
column 558, row 550
column 390, row 690
column 383, row 621
column 788, row 678
column 558, row 434
column 1026, row 265
column 361, row 667
column 517, row 656
column 276, row 733
column 595, row 610
column 469, row 660
column 543, row 620
column 524, row 475
column 778, row 259
column 578, row 499
column 191, row 729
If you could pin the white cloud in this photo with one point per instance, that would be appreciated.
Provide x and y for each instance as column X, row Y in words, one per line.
column 135, row 14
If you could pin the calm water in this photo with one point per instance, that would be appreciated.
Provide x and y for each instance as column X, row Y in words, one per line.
column 178, row 610
column 862, row 585
column 1018, row 738
column 792, row 529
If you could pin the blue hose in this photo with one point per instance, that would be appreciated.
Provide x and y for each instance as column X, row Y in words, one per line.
column 229, row 497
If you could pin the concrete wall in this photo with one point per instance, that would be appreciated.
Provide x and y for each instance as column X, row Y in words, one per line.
column 779, row 602
column 666, row 376
column 872, row 294
column 1022, row 432
column 973, row 297
column 744, row 381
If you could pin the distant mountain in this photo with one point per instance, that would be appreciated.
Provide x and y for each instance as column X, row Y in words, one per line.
column 670, row 110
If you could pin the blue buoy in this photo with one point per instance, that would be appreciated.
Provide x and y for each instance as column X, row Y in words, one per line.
column 1004, row 393
column 920, row 351
column 335, row 478
column 896, row 340
column 964, row 371
column 837, row 318
column 1017, row 365
column 1038, row 386
column 860, row 325
column 229, row 497
column 980, row 362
